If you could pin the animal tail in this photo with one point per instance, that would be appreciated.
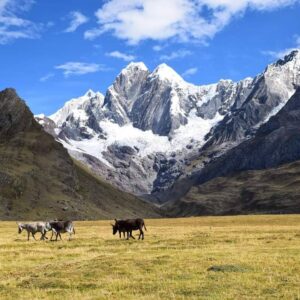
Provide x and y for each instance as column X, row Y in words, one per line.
column 145, row 227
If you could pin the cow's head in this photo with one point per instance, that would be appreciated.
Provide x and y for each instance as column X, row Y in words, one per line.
column 20, row 227
column 115, row 227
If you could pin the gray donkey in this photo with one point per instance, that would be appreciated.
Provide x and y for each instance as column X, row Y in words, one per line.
column 33, row 228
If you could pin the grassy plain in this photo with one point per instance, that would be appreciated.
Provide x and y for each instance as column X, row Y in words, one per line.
column 240, row 257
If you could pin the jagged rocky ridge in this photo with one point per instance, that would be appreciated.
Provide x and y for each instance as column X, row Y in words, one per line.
column 152, row 128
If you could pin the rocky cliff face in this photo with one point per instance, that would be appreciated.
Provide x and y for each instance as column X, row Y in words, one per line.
column 15, row 117
column 162, row 101
column 269, row 93
column 153, row 128
column 77, row 120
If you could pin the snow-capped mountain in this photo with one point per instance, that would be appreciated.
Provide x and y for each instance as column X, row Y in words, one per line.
column 78, row 119
column 269, row 93
column 150, row 126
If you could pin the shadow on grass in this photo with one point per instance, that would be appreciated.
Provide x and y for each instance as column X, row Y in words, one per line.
column 228, row 268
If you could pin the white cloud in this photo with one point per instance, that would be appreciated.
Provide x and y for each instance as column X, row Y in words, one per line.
column 281, row 53
column 14, row 27
column 183, row 20
column 121, row 55
column 46, row 77
column 189, row 72
column 79, row 68
column 93, row 33
column 49, row 24
column 176, row 54
column 157, row 48
column 77, row 19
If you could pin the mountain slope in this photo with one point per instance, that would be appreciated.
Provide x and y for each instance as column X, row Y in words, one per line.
column 271, row 191
column 276, row 142
column 39, row 180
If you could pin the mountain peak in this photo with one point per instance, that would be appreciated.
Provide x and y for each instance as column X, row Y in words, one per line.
column 293, row 55
column 15, row 116
column 165, row 72
column 90, row 93
column 75, row 105
column 134, row 66
column 10, row 91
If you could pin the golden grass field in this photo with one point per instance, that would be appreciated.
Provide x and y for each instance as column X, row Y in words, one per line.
column 242, row 257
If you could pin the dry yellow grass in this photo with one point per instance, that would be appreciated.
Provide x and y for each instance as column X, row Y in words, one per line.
column 245, row 257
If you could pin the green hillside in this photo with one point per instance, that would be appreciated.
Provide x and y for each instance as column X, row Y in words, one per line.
column 39, row 180
column 274, row 190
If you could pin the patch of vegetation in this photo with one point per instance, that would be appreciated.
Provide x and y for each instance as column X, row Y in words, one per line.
column 228, row 268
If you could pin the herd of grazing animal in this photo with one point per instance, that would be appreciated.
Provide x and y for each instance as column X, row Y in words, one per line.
column 58, row 227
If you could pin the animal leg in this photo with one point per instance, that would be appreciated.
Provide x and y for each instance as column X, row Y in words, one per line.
column 141, row 234
column 132, row 235
column 28, row 234
column 43, row 237
column 33, row 236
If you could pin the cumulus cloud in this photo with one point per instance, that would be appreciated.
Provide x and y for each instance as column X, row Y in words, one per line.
column 176, row 54
column 183, row 20
column 283, row 52
column 77, row 19
column 121, row 55
column 79, row 68
column 12, row 26
column 189, row 72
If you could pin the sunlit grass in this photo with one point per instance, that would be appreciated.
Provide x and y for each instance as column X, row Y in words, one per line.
column 247, row 257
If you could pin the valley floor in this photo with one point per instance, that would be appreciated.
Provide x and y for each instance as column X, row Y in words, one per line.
column 241, row 257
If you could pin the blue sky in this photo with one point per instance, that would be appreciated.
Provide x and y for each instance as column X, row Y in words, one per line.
column 51, row 51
